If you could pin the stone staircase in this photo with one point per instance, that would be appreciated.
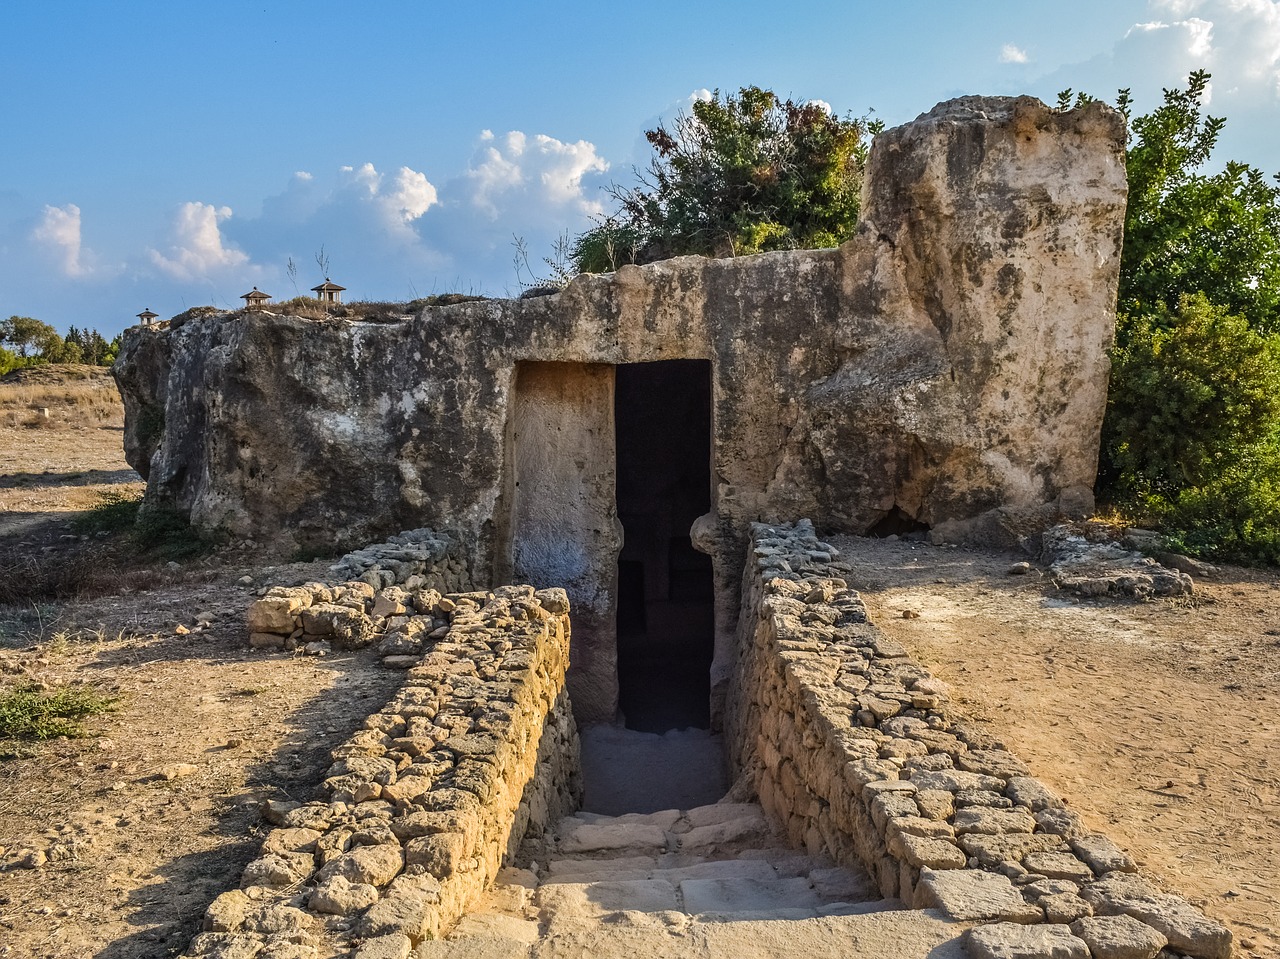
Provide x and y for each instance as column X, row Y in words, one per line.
column 710, row 882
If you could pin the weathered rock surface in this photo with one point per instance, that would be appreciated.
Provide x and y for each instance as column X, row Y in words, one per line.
column 945, row 368
column 949, row 360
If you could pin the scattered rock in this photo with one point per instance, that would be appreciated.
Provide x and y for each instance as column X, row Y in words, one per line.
column 1007, row 940
column 1118, row 937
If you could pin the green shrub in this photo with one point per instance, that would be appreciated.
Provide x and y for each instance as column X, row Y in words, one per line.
column 1192, row 433
column 29, row 711
column 743, row 172
column 1234, row 517
column 1190, row 390
column 115, row 512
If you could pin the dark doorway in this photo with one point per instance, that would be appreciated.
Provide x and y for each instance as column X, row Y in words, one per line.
column 662, row 416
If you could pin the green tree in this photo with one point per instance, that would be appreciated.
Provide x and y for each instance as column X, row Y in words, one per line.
column 70, row 352
column 1191, row 439
column 1187, row 231
column 1192, row 388
column 30, row 337
column 741, row 173
column 96, row 348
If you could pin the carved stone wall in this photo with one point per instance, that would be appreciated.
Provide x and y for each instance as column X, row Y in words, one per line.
column 947, row 368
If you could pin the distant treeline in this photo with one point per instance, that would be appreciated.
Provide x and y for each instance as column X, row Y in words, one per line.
column 25, row 341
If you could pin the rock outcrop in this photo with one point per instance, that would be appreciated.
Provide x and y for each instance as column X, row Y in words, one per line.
column 945, row 369
column 948, row 360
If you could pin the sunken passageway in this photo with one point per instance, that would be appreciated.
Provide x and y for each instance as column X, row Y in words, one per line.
column 662, row 415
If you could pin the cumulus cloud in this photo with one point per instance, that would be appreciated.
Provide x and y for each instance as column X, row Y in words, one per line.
column 1190, row 37
column 395, row 201
column 368, row 221
column 198, row 249
column 1237, row 41
column 59, row 231
column 1012, row 54
column 819, row 103
column 517, row 169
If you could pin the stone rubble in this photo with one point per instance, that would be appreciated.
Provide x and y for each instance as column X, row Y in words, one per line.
column 421, row 807
column 851, row 748
column 1089, row 567
column 393, row 595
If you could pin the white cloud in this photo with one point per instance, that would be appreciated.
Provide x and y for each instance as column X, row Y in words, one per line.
column 1238, row 41
column 400, row 200
column 1012, row 54
column 198, row 249
column 59, row 231
column 1176, row 8
column 819, row 103
column 1192, row 37
column 519, row 170
column 700, row 95
column 411, row 195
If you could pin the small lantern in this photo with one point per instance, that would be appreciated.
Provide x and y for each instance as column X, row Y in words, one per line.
column 328, row 292
column 147, row 317
column 255, row 299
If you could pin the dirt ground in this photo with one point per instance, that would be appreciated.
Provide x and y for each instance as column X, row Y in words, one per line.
column 140, row 825
column 64, row 460
column 1158, row 721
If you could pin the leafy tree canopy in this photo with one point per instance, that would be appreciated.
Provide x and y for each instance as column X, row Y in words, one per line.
column 1191, row 439
column 741, row 173
column 1192, row 387
column 29, row 336
column 33, row 342
column 1187, row 231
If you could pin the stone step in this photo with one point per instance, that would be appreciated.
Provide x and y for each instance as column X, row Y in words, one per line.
column 759, row 898
column 883, row 934
column 752, row 863
column 741, row 890
column 718, row 830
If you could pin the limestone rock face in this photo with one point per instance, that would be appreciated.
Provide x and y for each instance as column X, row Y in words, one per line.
column 947, row 361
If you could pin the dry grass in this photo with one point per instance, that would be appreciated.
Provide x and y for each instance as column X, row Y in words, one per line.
column 73, row 398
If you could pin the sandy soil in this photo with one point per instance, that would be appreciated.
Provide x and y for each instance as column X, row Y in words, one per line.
column 154, row 814
column 46, row 472
column 1159, row 722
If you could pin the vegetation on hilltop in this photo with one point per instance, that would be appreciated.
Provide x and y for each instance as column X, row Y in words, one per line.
column 25, row 341
column 741, row 173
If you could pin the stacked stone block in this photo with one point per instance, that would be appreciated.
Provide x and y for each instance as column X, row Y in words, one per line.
column 393, row 595
column 853, row 750
column 425, row 804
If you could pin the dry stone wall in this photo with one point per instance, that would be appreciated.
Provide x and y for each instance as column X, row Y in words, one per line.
column 393, row 595
column 851, row 747
column 424, row 805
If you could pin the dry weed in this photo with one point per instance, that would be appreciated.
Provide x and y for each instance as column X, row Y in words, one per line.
column 74, row 403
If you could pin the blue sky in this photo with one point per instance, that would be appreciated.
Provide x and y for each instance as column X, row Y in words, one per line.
column 173, row 154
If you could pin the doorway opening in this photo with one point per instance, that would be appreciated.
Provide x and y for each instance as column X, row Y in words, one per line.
column 665, row 603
